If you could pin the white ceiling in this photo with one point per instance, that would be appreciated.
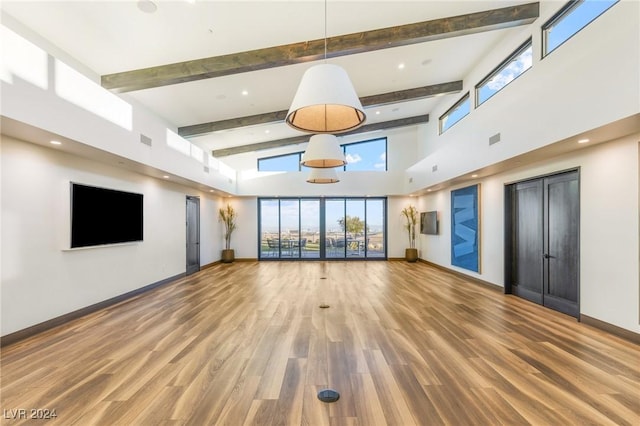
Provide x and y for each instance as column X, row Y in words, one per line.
column 116, row 36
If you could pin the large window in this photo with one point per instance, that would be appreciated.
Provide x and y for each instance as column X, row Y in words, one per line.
column 455, row 113
column 318, row 228
column 280, row 163
column 574, row 16
column 368, row 155
column 510, row 69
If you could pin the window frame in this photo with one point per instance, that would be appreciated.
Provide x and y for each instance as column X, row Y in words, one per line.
column 299, row 154
column 563, row 12
column 386, row 157
column 459, row 102
column 342, row 146
column 324, row 253
column 501, row 66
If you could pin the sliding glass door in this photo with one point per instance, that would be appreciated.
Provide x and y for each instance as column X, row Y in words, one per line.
column 318, row 228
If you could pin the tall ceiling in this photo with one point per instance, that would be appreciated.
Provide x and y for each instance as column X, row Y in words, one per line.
column 113, row 37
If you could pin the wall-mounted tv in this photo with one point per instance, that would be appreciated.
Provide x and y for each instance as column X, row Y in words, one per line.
column 429, row 223
column 102, row 216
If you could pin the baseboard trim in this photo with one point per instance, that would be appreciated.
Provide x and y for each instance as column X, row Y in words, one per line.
column 475, row 280
column 210, row 265
column 19, row 335
column 623, row 333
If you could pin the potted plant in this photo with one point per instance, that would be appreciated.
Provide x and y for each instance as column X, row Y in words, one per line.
column 227, row 215
column 410, row 214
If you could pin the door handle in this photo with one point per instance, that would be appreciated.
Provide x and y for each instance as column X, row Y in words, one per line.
column 548, row 256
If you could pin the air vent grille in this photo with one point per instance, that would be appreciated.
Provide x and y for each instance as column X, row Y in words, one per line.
column 494, row 139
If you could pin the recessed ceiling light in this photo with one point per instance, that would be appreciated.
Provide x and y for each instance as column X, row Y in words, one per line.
column 147, row 6
column 245, row 93
column 166, row 176
column 401, row 66
column 56, row 143
column 583, row 140
column 267, row 131
column 211, row 190
column 429, row 190
column 474, row 175
column 377, row 112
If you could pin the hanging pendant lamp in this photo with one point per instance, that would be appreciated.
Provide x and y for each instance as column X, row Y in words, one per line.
column 326, row 175
column 323, row 151
column 326, row 101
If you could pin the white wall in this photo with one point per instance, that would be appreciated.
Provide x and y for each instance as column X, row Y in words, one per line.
column 589, row 81
column 244, row 240
column 40, row 279
column 50, row 95
column 609, row 233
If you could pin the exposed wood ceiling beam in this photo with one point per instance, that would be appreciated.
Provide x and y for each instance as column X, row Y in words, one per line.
column 402, row 122
column 279, row 116
column 232, row 123
column 305, row 51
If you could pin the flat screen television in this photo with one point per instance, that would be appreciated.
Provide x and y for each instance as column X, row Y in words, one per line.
column 429, row 223
column 101, row 216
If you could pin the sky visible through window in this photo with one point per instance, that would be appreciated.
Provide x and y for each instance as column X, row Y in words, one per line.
column 577, row 18
column 289, row 214
column 456, row 114
column 368, row 156
column 281, row 163
column 361, row 156
column 513, row 69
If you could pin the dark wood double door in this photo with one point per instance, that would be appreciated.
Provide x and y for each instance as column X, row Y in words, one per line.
column 542, row 241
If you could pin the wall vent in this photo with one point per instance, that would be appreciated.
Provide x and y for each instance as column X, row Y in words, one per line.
column 410, row 180
column 206, row 169
column 145, row 139
column 434, row 168
column 494, row 139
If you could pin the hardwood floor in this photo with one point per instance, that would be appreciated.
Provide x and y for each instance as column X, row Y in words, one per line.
column 247, row 343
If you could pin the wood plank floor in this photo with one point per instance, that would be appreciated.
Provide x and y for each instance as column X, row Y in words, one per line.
column 246, row 343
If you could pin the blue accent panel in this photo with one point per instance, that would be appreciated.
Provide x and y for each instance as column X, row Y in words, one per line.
column 465, row 244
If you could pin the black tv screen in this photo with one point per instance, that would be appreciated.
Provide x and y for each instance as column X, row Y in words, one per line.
column 102, row 216
column 429, row 223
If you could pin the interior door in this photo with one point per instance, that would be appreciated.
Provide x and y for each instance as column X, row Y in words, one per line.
column 542, row 244
column 528, row 240
column 562, row 229
column 193, row 235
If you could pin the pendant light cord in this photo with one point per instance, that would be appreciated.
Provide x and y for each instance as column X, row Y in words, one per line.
column 325, row 59
column 325, row 31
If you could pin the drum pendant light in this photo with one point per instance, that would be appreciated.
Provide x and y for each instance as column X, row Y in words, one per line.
column 327, row 175
column 323, row 151
column 326, row 101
